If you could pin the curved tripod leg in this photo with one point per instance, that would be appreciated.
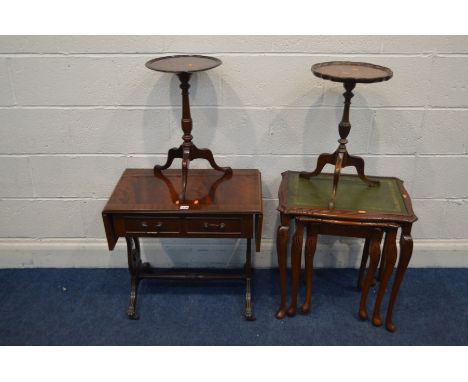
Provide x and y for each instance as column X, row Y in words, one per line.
column 358, row 163
column 296, row 266
column 185, row 166
column 322, row 160
column 406, row 250
column 390, row 255
column 206, row 154
column 282, row 248
column 309, row 252
column 374, row 253
column 175, row 152
column 336, row 178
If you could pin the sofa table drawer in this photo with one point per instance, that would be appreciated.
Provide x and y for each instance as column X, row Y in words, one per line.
column 152, row 225
column 203, row 225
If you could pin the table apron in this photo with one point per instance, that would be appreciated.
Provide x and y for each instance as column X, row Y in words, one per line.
column 186, row 226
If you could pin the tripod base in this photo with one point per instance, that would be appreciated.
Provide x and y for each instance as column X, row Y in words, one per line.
column 341, row 159
column 188, row 153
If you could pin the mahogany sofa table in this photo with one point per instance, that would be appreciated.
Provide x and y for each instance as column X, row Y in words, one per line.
column 360, row 211
column 216, row 206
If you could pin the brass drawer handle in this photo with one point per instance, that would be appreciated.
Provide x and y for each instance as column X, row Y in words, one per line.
column 159, row 226
column 220, row 226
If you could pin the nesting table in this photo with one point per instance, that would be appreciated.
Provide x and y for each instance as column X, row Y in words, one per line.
column 145, row 204
column 359, row 211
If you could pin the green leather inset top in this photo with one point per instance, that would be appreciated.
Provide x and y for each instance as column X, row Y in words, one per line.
column 352, row 194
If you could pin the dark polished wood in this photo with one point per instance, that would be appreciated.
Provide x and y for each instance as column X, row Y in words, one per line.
column 310, row 247
column 349, row 73
column 184, row 66
column 371, row 231
column 374, row 254
column 281, row 247
column 364, row 258
column 287, row 208
column 296, row 251
column 183, row 63
column 144, row 205
column 388, row 263
column 406, row 251
column 370, row 224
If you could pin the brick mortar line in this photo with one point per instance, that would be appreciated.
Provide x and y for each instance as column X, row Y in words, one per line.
column 59, row 240
column 222, row 107
column 62, row 198
column 73, row 155
column 153, row 155
column 231, row 54
column 451, row 55
column 213, row 240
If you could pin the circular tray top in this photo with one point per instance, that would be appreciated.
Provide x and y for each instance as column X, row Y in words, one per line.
column 347, row 71
column 183, row 63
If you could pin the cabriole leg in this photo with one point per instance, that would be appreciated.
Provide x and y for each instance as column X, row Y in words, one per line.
column 362, row 268
column 309, row 252
column 390, row 255
column 406, row 250
column 296, row 266
column 282, row 249
column 374, row 254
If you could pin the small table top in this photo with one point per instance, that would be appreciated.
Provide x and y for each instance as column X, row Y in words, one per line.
column 354, row 200
column 208, row 191
column 183, row 63
column 348, row 71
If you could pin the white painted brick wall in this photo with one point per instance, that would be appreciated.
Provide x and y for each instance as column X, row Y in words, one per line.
column 76, row 111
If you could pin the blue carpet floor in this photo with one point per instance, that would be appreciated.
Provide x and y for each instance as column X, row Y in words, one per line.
column 88, row 307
